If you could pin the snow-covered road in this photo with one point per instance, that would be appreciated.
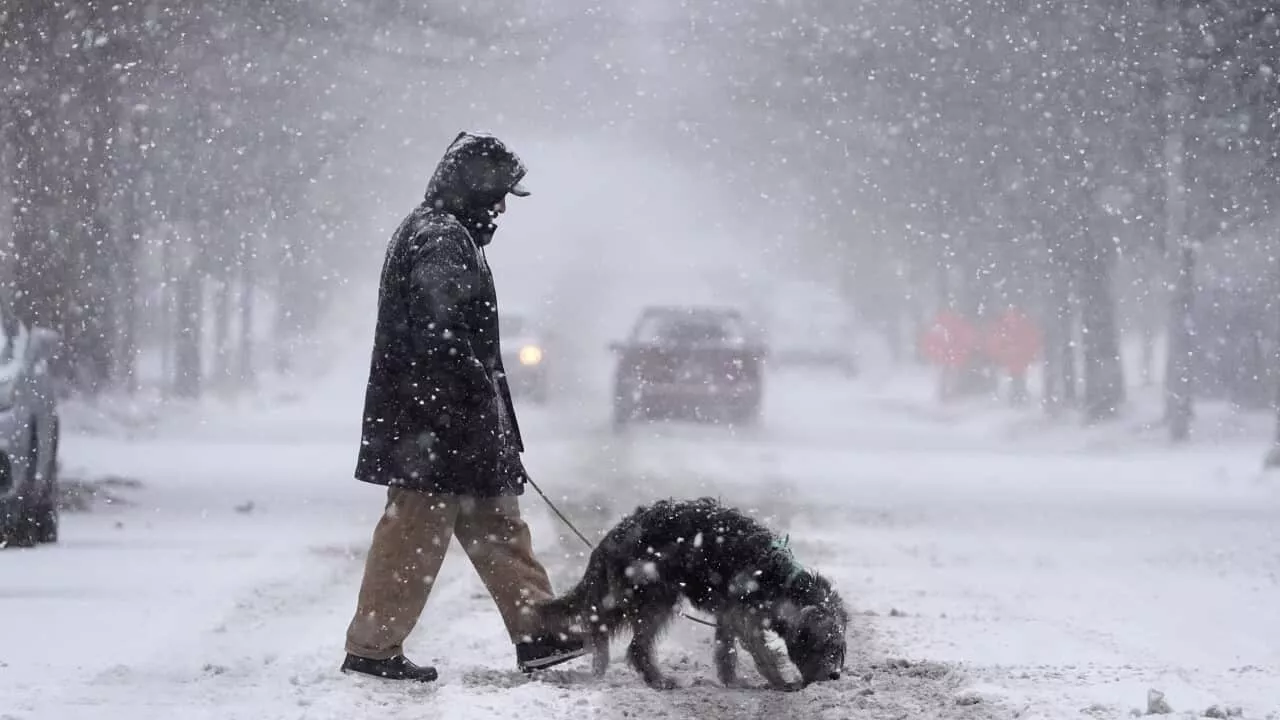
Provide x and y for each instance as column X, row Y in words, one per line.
column 1048, row 582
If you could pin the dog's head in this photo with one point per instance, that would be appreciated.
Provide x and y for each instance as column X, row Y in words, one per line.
column 817, row 644
column 815, row 635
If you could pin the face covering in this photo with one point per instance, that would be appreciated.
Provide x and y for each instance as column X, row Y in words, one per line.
column 482, row 222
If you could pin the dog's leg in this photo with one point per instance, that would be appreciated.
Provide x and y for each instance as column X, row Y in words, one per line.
column 648, row 626
column 726, row 651
column 600, row 658
column 769, row 661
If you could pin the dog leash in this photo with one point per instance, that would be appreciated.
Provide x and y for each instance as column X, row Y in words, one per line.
column 569, row 524
column 559, row 514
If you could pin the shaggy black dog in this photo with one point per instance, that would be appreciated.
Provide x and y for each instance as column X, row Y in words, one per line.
column 726, row 564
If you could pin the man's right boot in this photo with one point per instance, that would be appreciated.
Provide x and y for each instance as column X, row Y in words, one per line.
column 543, row 652
column 392, row 668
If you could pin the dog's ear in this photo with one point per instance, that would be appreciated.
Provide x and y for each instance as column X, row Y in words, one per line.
column 810, row 617
column 813, row 622
column 791, row 620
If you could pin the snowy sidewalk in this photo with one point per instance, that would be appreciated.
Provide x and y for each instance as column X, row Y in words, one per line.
column 1053, row 582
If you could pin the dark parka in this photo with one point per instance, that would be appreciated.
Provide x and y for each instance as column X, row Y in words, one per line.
column 438, row 415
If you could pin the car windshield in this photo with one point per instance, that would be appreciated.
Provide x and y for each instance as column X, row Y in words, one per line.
column 683, row 329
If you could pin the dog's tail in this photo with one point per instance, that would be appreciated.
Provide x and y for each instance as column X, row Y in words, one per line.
column 581, row 602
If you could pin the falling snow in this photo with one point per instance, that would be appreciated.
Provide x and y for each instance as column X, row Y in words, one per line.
column 977, row 302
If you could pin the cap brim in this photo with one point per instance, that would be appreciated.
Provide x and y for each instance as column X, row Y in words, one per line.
column 519, row 190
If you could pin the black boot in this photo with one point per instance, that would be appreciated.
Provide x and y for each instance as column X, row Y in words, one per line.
column 543, row 652
column 393, row 668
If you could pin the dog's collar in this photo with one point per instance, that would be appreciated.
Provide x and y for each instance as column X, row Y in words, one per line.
column 783, row 547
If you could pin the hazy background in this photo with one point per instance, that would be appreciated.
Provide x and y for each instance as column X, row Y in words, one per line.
column 198, row 195
column 202, row 191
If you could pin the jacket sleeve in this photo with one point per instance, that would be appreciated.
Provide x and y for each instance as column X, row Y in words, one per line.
column 441, row 283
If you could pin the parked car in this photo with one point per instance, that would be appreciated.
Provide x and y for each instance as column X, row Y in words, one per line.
column 818, row 344
column 28, row 434
column 527, row 354
column 704, row 363
column 814, row 330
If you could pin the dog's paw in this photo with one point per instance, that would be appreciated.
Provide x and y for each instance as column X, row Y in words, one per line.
column 792, row 686
column 599, row 665
column 662, row 682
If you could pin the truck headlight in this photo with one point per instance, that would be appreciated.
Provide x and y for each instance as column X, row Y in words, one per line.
column 530, row 355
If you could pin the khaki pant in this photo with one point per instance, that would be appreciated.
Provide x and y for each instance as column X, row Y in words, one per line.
column 409, row 545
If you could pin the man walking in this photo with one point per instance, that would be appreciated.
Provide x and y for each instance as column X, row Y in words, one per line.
column 439, row 426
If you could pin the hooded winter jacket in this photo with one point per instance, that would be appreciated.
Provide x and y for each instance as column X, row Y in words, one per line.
column 438, row 415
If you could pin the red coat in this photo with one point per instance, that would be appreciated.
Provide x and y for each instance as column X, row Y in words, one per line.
column 1013, row 341
column 950, row 341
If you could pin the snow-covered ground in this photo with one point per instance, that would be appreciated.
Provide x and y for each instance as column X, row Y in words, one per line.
column 1006, row 562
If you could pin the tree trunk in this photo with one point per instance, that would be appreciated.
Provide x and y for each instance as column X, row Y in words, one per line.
column 296, row 306
column 126, row 354
column 1018, row 394
column 39, row 269
column 1148, row 359
column 1070, row 374
column 92, row 288
column 222, row 299
column 978, row 375
column 168, row 330
column 915, row 328
column 1248, row 380
column 1059, row 366
column 95, row 296
column 38, row 158
column 7, row 185
column 1178, row 378
column 188, row 321
column 247, row 290
column 1104, row 390
column 126, row 182
column 1179, row 363
column 1149, row 318
column 1272, row 460
column 1179, row 409
column 283, row 322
